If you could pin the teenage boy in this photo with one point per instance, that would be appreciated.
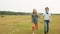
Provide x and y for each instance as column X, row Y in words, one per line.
column 46, row 17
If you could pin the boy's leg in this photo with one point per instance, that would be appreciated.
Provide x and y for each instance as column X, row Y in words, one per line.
column 45, row 27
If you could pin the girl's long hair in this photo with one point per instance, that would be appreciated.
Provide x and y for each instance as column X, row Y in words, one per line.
column 34, row 10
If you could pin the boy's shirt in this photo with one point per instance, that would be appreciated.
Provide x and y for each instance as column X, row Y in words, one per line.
column 46, row 16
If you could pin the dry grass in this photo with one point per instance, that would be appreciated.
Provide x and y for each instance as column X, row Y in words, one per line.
column 21, row 24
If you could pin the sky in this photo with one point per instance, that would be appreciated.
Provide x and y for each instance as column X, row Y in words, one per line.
column 29, row 5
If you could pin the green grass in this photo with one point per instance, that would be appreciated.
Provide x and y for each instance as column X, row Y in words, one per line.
column 22, row 24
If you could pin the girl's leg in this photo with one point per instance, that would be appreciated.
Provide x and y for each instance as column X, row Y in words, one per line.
column 36, row 25
column 33, row 28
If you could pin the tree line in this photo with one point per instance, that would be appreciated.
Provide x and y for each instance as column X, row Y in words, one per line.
column 13, row 13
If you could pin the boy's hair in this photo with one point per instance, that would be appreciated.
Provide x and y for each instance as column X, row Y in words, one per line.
column 46, row 8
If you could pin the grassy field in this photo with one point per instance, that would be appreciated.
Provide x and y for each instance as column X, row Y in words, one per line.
column 21, row 24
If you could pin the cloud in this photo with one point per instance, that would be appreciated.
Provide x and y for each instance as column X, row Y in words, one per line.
column 29, row 5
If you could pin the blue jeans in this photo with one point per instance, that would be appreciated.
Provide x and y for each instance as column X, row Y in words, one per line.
column 46, row 26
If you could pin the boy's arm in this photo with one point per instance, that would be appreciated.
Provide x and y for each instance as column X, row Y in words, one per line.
column 50, row 18
column 43, row 16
